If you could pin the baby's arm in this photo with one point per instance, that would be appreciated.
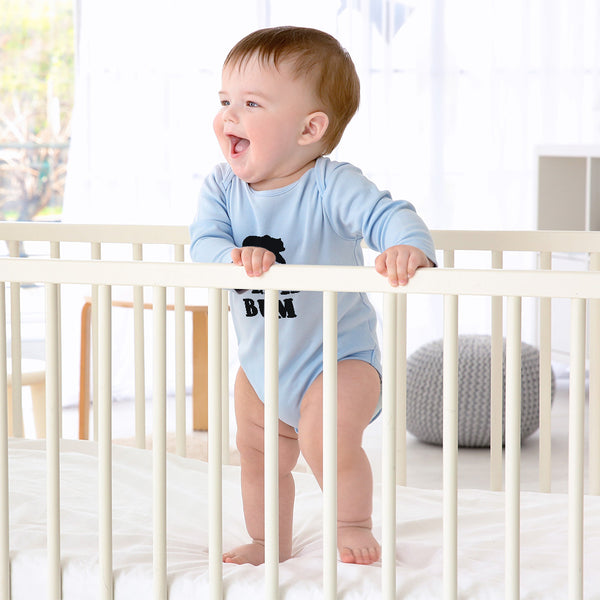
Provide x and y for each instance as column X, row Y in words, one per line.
column 254, row 259
column 400, row 263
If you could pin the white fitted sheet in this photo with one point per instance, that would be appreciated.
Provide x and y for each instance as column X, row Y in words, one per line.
column 419, row 533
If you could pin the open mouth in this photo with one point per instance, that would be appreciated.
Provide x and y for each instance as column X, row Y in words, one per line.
column 238, row 145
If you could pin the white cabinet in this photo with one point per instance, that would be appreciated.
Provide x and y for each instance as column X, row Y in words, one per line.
column 568, row 188
column 568, row 198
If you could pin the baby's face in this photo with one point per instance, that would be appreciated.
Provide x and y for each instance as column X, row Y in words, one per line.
column 260, row 125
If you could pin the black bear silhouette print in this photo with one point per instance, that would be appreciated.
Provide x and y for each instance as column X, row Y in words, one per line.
column 275, row 245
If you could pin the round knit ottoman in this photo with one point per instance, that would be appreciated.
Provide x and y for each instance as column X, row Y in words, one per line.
column 424, row 391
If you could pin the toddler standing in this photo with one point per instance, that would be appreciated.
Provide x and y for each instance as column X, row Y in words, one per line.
column 287, row 95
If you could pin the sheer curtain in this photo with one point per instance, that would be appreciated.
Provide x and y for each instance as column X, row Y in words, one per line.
column 456, row 95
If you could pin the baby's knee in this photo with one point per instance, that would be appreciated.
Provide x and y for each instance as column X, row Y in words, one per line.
column 249, row 442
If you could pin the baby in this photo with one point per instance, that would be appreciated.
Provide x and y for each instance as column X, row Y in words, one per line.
column 287, row 95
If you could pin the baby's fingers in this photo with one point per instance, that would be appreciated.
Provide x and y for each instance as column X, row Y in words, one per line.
column 254, row 260
column 393, row 265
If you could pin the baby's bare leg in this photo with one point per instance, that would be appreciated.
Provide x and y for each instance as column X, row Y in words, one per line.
column 358, row 395
column 249, row 411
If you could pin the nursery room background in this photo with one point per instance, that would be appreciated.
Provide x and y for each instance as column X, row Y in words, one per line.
column 458, row 99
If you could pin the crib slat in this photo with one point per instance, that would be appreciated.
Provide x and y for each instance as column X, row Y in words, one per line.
column 329, row 445
column 15, row 341
column 576, row 445
column 4, row 479
column 55, row 253
column 52, row 444
column 450, row 446
column 388, row 413
column 496, row 385
column 225, row 376
column 95, row 254
column 179, row 308
column 513, row 449
column 545, row 444
column 401, row 375
column 594, row 387
column 271, row 443
column 138, row 353
column 159, row 442
column 215, row 459
column 104, row 437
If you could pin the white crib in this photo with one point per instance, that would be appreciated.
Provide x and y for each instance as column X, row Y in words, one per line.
column 61, row 539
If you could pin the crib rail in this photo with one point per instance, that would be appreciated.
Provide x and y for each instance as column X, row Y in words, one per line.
column 449, row 283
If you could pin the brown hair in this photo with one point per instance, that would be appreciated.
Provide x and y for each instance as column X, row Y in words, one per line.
column 314, row 54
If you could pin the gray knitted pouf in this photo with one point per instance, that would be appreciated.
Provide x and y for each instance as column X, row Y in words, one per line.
column 424, row 391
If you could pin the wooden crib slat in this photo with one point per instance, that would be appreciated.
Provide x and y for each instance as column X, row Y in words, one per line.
column 576, row 445
column 513, row 449
column 215, row 459
column 4, row 473
column 179, row 309
column 225, row 376
column 329, row 445
column 388, row 524
column 15, row 342
column 95, row 254
column 159, row 443
column 545, row 391
column 53, row 409
column 271, row 443
column 55, row 253
column 496, row 385
column 401, row 340
column 103, row 426
column 450, row 446
column 138, row 354
column 594, row 387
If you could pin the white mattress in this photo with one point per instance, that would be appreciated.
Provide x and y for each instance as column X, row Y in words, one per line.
column 419, row 533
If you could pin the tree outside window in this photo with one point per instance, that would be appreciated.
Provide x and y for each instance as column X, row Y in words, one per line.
column 37, row 54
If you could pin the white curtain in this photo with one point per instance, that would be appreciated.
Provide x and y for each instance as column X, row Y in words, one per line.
column 456, row 95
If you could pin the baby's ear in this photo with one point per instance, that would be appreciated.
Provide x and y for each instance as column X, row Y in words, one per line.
column 314, row 128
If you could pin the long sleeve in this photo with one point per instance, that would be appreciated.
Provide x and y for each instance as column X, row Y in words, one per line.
column 357, row 208
column 211, row 232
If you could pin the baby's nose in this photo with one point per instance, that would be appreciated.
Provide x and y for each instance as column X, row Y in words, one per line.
column 229, row 114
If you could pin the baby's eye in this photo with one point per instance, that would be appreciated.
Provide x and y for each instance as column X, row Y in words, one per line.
column 251, row 104
column 224, row 102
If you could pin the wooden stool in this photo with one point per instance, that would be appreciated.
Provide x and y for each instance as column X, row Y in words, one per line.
column 199, row 364
column 33, row 374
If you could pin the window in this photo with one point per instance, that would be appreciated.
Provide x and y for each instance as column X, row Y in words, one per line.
column 37, row 82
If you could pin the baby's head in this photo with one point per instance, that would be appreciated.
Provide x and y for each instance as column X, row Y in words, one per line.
column 315, row 57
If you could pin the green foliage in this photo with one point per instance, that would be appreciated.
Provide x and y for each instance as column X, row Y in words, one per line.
column 37, row 55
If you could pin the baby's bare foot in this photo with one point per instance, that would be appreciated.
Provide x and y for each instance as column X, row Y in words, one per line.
column 356, row 543
column 253, row 554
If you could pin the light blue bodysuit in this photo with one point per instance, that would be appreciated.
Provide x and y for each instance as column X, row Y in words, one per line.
column 320, row 219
